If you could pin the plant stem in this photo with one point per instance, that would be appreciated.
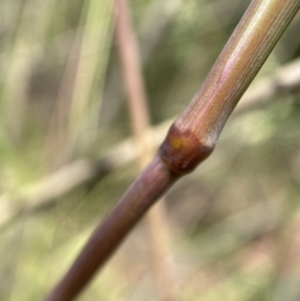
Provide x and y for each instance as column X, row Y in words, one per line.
column 191, row 138
column 194, row 134
column 155, row 179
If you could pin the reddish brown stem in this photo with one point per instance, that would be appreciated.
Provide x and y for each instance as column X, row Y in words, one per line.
column 155, row 179
column 194, row 134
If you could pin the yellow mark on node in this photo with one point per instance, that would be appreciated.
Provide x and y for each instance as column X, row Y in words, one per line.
column 177, row 142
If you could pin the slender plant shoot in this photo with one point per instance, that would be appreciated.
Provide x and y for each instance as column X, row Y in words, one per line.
column 191, row 138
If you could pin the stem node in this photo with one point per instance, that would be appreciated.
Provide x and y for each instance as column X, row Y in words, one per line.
column 182, row 150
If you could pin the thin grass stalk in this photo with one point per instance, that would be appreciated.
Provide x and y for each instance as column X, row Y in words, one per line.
column 20, row 61
column 129, row 54
column 85, row 107
column 191, row 138
column 76, row 109
column 55, row 142
column 153, row 26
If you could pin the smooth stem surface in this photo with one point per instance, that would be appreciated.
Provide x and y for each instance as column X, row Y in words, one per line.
column 194, row 134
column 191, row 138
column 155, row 179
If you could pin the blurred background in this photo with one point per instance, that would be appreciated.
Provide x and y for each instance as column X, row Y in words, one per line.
column 66, row 153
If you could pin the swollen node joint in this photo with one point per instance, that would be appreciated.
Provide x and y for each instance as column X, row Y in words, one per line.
column 182, row 151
